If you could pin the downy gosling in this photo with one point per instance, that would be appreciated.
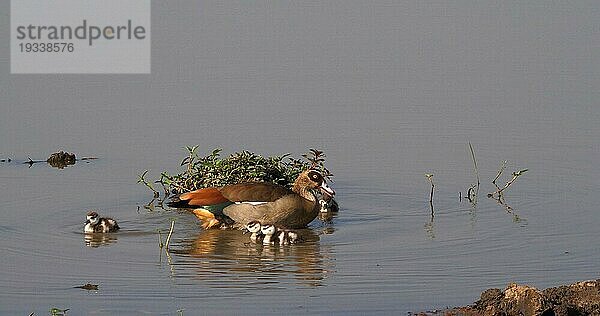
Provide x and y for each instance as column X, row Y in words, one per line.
column 96, row 224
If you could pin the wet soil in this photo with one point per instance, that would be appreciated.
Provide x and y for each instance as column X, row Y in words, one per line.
column 581, row 298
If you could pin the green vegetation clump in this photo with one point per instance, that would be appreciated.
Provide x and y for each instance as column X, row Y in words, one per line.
column 213, row 170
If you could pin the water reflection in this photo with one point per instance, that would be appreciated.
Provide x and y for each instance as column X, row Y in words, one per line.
column 430, row 229
column 96, row 240
column 231, row 254
column 329, row 208
column 327, row 217
column 509, row 209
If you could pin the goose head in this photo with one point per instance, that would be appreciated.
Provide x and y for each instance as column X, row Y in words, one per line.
column 92, row 218
column 253, row 227
column 312, row 180
column 268, row 230
column 293, row 236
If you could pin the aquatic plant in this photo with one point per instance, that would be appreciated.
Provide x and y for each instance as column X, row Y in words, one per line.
column 142, row 180
column 213, row 170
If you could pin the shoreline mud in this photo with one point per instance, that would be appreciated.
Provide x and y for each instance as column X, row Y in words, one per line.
column 580, row 298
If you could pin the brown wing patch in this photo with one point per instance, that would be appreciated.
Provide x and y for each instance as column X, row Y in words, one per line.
column 253, row 192
column 203, row 197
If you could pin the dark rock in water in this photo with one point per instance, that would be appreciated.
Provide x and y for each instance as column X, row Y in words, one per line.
column 61, row 159
column 581, row 298
column 88, row 286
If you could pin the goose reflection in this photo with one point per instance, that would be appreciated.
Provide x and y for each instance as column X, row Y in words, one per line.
column 96, row 240
column 230, row 254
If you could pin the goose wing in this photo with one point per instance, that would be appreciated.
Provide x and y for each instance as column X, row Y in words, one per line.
column 290, row 211
column 243, row 192
column 253, row 192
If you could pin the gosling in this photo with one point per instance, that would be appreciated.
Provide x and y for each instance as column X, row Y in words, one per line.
column 96, row 224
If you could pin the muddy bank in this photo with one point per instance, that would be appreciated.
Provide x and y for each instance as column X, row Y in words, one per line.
column 581, row 298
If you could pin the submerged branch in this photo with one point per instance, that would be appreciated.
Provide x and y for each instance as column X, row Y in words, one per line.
column 515, row 175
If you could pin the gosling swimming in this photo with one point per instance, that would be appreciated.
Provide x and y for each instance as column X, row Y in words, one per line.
column 96, row 224
column 254, row 228
column 273, row 235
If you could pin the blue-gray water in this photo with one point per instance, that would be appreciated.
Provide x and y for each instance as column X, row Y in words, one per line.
column 390, row 90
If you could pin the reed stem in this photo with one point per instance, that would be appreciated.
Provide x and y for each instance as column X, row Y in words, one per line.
column 474, row 163
column 170, row 233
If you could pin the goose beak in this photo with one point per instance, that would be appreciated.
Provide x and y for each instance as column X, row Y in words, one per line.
column 326, row 189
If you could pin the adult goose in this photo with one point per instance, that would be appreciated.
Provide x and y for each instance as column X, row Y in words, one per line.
column 239, row 204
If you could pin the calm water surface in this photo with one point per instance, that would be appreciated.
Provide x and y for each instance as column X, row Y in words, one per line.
column 389, row 90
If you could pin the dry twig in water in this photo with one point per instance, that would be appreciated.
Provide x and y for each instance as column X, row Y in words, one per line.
column 473, row 190
column 429, row 177
column 515, row 175
column 500, row 171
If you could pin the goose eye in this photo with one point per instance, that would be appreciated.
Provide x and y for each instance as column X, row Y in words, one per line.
column 315, row 176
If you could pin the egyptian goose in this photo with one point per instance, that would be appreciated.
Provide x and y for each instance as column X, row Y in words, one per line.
column 239, row 204
column 96, row 224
